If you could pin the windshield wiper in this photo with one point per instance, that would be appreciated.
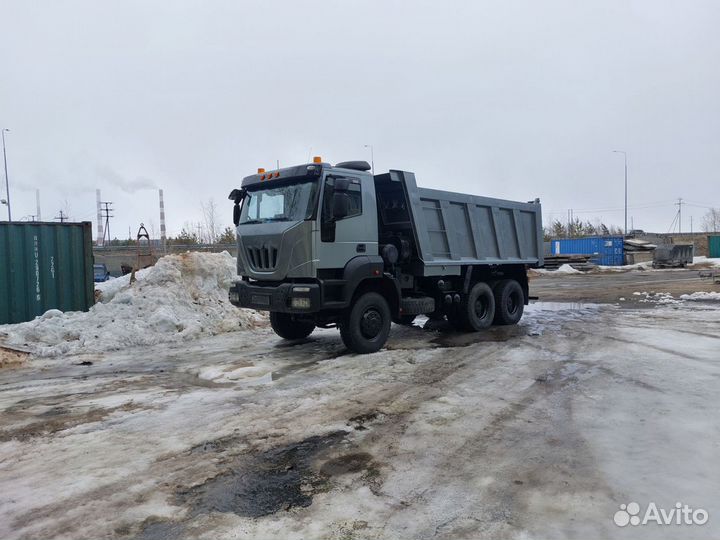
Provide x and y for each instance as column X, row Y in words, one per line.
column 280, row 218
column 252, row 221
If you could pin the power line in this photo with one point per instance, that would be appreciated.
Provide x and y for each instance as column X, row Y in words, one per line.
column 610, row 209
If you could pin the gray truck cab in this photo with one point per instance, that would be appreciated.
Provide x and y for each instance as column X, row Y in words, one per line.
column 323, row 245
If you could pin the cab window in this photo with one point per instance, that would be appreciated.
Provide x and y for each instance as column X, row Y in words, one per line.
column 353, row 194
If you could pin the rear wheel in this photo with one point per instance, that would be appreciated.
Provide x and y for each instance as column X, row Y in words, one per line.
column 476, row 309
column 366, row 327
column 509, row 302
column 287, row 328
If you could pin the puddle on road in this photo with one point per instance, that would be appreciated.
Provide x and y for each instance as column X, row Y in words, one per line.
column 277, row 479
column 492, row 334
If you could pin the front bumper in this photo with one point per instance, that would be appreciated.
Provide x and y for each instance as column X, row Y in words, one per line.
column 276, row 297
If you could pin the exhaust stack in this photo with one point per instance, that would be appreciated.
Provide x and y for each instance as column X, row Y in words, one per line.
column 100, row 235
column 162, row 219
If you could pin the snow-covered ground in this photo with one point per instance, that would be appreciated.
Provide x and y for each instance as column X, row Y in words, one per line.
column 537, row 431
column 182, row 297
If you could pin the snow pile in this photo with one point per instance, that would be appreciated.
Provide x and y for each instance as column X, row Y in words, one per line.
column 707, row 261
column 182, row 297
column 625, row 267
column 567, row 269
column 701, row 296
column 564, row 269
column 657, row 298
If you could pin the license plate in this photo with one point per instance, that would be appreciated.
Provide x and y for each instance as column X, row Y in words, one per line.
column 260, row 299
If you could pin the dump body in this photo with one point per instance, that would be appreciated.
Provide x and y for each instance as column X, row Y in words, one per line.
column 673, row 255
column 452, row 230
column 44, row 266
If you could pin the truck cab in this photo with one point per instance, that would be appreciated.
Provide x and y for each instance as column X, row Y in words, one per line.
column 322, row 245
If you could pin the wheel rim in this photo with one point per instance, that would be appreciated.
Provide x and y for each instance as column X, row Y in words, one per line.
column 481, row 308
column 512, row 304
column 371, row 323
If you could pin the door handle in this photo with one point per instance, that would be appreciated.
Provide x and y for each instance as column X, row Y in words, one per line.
column 360, row 248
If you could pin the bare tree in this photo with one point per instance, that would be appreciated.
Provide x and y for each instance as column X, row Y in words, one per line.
column 211, row 223
column 711, row 220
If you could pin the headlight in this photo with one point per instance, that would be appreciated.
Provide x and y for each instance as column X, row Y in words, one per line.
column 234, row 296
column 300, row 303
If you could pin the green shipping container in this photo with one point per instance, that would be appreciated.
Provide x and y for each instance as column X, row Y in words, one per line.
column 44, row 266
column 714, row 247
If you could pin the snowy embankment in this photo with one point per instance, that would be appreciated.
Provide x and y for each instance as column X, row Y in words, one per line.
column 182, row 297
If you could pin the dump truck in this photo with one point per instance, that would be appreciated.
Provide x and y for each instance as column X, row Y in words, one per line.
column 339, row 247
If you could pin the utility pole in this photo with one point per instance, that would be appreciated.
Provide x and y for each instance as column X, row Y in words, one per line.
column 626, row 213
column 62, row 217
column 679, row 205
column 7, row 181
column 107, row 215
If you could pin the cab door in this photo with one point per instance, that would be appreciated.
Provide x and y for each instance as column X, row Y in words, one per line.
column 355, row 233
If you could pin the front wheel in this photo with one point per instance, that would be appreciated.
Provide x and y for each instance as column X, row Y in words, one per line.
column 366, row 327
column 287, row 328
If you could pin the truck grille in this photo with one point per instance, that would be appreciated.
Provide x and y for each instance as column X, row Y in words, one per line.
column 262, row 258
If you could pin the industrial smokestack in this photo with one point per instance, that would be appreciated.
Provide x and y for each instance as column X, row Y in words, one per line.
column 162, row 219
column 37, row 203
column 100, row 235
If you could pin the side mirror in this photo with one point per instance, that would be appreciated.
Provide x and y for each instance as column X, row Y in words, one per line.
column 237, row 195
column 341, row 207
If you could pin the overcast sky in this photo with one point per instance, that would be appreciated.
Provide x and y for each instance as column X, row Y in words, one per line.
column 508, row 99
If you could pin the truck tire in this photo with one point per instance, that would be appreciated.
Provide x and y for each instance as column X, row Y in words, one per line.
column 476, row 310
column 366, row 328
column 509, row 302
column 287, row 328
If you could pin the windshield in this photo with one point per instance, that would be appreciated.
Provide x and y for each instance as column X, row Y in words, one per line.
column 292, row 202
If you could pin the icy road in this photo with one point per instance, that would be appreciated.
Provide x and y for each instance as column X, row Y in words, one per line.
column 538, row 431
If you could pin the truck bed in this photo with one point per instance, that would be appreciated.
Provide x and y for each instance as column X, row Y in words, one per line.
column 452, row 230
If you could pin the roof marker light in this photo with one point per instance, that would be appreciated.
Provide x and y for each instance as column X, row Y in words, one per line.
column 317, row 159
column 260, row 170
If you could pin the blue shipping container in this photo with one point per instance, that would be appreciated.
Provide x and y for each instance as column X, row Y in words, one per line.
column 603, row 250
